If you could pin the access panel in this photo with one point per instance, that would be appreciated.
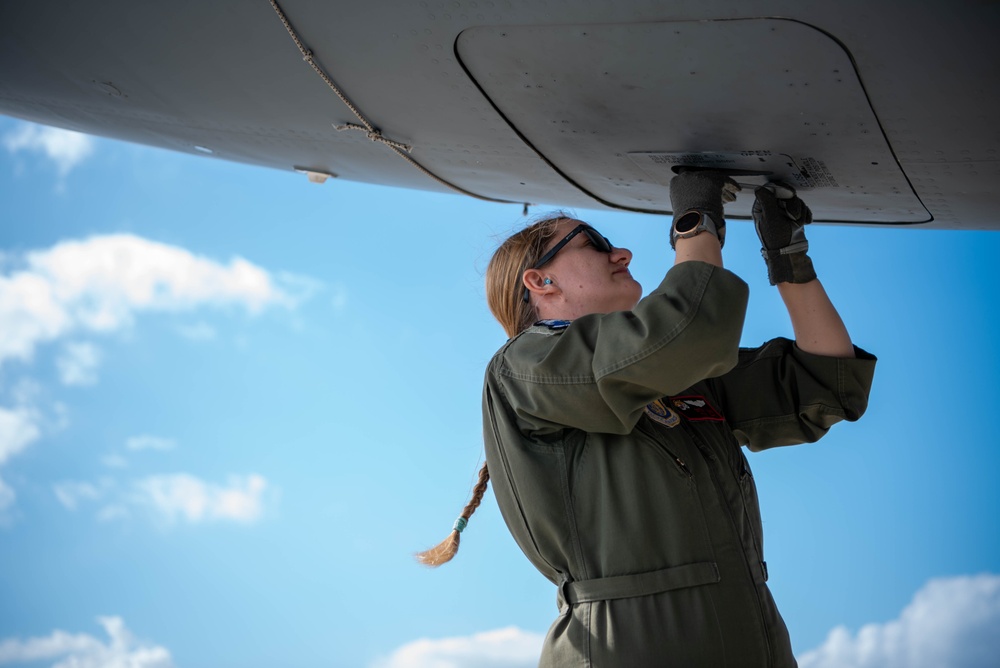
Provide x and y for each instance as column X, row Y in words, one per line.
column 617, row 108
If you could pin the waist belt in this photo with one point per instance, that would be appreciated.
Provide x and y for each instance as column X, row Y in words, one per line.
column 638, row 584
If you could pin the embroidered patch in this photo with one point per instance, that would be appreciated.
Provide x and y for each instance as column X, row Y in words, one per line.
column 662, row 413
column 696, row 409
column 554, row 324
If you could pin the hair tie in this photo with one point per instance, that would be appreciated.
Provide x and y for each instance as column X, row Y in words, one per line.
column 460, row 524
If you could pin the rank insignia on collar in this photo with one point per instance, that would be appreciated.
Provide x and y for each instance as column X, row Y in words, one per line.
column 696, row 408
column 553, row 324
column 660, row 412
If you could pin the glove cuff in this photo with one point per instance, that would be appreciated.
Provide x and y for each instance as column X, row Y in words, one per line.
column 790, row 264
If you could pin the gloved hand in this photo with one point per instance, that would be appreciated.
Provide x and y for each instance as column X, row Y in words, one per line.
column 704, row 191
column 779, row 216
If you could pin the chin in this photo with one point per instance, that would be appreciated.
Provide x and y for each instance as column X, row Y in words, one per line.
column 636, row 295
column 627, row 304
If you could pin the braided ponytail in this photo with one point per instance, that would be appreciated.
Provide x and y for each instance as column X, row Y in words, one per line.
column 443, row 552
column 504, row 295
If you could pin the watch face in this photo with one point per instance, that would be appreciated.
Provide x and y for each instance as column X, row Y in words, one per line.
column 687, row 222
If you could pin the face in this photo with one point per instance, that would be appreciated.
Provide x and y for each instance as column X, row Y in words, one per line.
column 584, row 279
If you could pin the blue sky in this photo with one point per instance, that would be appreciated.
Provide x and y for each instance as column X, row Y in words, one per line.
column 233, row 404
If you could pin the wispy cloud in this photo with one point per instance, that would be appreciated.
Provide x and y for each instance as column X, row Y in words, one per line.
column 502, row 648
column 950, row 622
column 70, row 494
column 298, row 288
column 338, row 298
column 20, row 426
column 65, row 148
column 77, row 364
column 171, row 498
column 185, row 497
column 197, row 332
column 112, row 513
column 114, row 461
column 81, row 650
column 147, row 442
column 18, row 429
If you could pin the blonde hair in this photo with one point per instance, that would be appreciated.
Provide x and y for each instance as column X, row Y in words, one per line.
column 505, row 296
column 443, row 552
column 504, row 287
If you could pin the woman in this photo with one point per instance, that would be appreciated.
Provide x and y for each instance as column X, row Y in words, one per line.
column 613, row 427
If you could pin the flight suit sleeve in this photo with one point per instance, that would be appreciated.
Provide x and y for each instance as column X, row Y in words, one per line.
column 779, row 394
column 599, row 372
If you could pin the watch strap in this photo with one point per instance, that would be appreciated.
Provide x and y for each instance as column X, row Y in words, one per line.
column 705, row 223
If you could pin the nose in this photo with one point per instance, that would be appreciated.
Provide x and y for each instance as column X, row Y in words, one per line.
column 621, row 255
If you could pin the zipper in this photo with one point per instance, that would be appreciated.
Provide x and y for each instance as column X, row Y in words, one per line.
column 758, row 544
column 707, row 452
column 678, row 462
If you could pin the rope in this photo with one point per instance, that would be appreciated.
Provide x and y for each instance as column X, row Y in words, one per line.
column 373, row 133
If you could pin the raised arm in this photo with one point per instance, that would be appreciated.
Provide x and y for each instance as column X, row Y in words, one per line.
column 780, row 216
column 816, row 323
column 598, row 373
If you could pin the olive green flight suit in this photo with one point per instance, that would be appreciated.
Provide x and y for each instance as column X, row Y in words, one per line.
column 650, row 527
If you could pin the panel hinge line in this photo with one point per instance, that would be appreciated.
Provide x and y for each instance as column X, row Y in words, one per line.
column 399, row 148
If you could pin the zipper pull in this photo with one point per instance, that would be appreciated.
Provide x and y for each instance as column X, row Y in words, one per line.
column 680, row 462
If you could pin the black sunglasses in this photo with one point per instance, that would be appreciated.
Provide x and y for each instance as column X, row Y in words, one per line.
column 599, row 242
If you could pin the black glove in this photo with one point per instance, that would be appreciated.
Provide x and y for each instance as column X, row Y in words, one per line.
column 704, row 191
column 779, row 216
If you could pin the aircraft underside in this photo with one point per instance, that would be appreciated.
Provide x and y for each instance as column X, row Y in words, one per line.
column 884, row 113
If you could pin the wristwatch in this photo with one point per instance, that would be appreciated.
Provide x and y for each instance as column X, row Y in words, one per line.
column 691, row 224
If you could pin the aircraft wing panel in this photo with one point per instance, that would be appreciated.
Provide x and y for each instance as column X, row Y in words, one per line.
column 225, row 77
column 748, row 91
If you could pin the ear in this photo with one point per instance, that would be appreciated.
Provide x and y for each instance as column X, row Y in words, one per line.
column 534, row 280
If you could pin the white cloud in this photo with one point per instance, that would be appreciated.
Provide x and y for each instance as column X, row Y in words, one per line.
column 189, row 498
column 510, row 647
column 81, row 650
column 98, row 284
column 78, row 364
column 71, row 493
column 951, row 622
column 21, row 425
column 19, row 428
column 147, row 442
column 65, row 148
column 171, row 497
column 298, row 288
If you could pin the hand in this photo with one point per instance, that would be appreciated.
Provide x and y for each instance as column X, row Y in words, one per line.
column 704, row 191
column 780, row 216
